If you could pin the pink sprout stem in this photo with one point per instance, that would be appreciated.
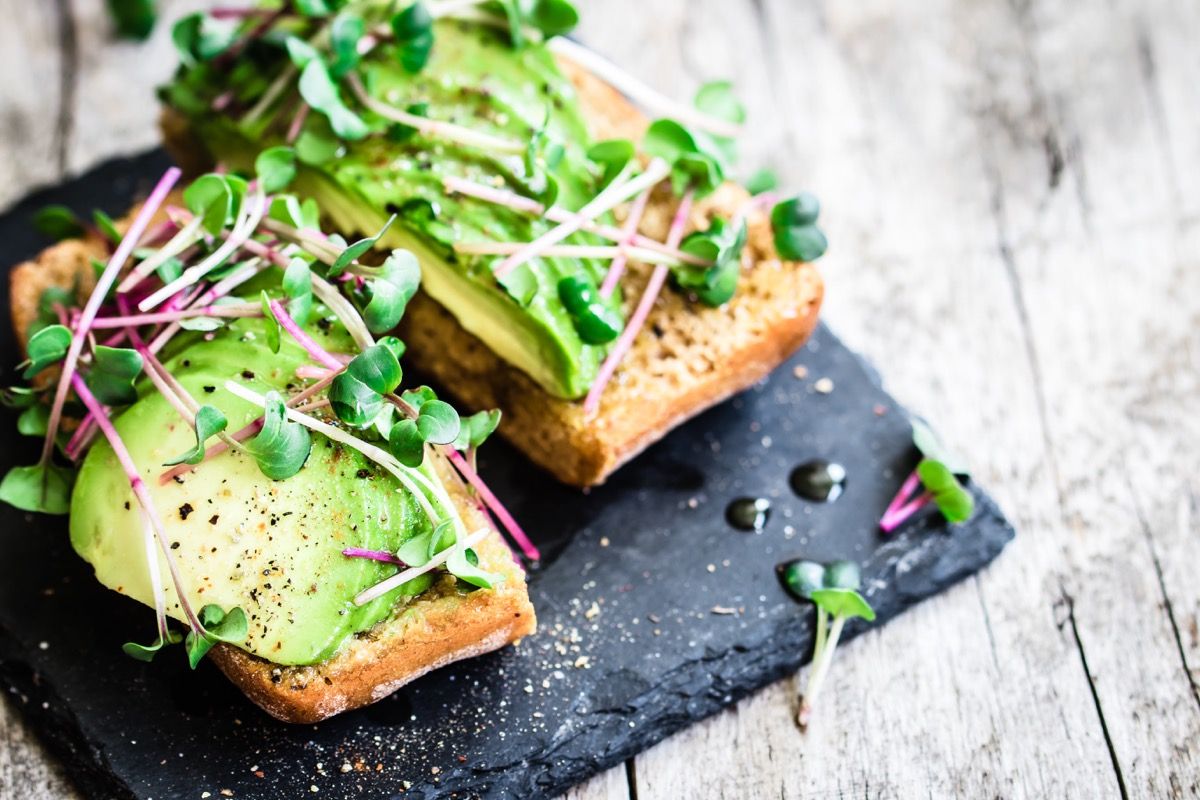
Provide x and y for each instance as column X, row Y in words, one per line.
column 506, row 519
column 315, row 350
column 244, row 310
column 81, row 438
column 139, row 490
column 617, row 268
column 374, row 555
column 904, row 505
column 293, row 131
column 634, row 326
column 105, row 282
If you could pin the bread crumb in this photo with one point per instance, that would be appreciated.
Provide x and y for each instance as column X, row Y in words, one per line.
column 800, row 371
column 711, row 568
column 592, row 612
column 724, row 610
column 604, row 541
column 347, row 766
column 823, row 385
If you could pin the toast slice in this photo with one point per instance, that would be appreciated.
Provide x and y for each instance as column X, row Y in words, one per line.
column 687, row 358
column 440, row 626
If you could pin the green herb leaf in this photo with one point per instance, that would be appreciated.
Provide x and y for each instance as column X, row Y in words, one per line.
column 319, row 91
column 763, row 180
column 209, row 422
column 48, row 346
column 413, row 29
column 845, row 603
column 951, row 497
column 407, row 444
column 801, row 578
column 275, row 167
column 721, row 244
column 218, row 627
column 352, row 252
column 438, row 422
column 476, row 429
column 34, row 421
column 113, row 372
column 198, row 37
column 282, row 446
column 58, row 222
column 42, row 488
column 146, row 652
column 389, row 289
column 210, row 197
column 134, row 18
column 344, row 33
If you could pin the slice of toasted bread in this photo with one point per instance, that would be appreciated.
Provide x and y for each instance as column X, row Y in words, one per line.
column 439, row 627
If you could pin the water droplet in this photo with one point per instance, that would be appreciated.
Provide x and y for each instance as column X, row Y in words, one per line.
column 819, row 480
column 748, row 513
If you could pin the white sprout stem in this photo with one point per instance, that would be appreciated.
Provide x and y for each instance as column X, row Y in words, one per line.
column 344, row 311
column 103, row 284
column 518, row 202
column 277, row 88
column 242, row 231
column 617, row 268
column 434, row 128
column 447, row 8
column 182, row 240
column 639, row 91
column 822, row 631
column 818, row 672
column 323, row 249
column 231, row 310
column 156, row 585
column 223, row 287
column 643, row 254
column 403, row 577
column 634, row 326
column 617, row 192
column 376, row 454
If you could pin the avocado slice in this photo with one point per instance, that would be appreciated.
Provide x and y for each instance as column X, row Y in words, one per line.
column 474, row 77
column 272, row 548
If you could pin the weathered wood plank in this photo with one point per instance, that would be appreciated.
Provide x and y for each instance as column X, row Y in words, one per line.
column 26, row 770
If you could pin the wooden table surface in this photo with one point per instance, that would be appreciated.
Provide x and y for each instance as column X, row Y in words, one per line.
column 1010, row 188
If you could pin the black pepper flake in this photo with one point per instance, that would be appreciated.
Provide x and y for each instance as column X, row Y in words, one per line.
column 174, row 545
column 209, row 389
column 247, row 374
column 363, row 473
column 177, row 479
column 184, row 510
column 126, row 505
column 213, row 519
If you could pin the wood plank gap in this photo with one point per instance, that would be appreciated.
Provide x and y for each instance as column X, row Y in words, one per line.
column 1112, row 749
column 631, row 777
column 987, row 622
column 1148, row 534
column 68, row 82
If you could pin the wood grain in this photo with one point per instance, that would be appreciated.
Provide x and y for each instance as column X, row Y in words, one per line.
column 1015, row 239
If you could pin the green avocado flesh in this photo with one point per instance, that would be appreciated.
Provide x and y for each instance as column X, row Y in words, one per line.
column 477, row 79
column 272, row 548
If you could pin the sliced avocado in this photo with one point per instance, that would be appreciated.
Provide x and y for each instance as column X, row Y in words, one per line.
column 477, row 78
column 272, row 548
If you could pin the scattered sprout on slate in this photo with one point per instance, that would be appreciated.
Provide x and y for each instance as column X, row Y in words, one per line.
column 794, row 223
column 940, row 473
column 834, row 589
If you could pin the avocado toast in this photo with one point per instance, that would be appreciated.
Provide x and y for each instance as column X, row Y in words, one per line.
column 592, row 274
column 242, row 458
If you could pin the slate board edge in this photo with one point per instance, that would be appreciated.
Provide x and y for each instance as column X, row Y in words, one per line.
column 87, row 765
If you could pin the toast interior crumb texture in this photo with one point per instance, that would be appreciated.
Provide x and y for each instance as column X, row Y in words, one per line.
column 439, row 627
column 687, row 358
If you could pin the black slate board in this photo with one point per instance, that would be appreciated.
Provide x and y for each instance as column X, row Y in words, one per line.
column 629, row 647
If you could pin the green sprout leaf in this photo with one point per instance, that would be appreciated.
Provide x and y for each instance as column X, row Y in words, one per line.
column 763, row 180
column 210, row 197
column 58, row 222
column 842, row 575
column 721, row 244
column 48, row 346
column 357, row 393
column 418, row 397
column 844, row 603
column 611, row 155
column 297, row 285
column 274, row 340
column 34, row 421
column 107, row 227
column 113, row 372
column 464, row 565
column 716, row 99
column 344, row 34
column 801, row 578
column 413, row 30
column 794, row 223
column 319, row 91
column 389, row 289
column 352, row 252
column 42, row 488
column 476, row 428
column 282, row 446
column 407, row 444
column 932, row 448
column 438, row 422
column 198, row 37
column 134, row 19
column 276, row 168
column 209, row 422
column 218, row 627
column 595, row 322
column 551, row 17
column 146, row 652
column 697, row 160
column 950, row 496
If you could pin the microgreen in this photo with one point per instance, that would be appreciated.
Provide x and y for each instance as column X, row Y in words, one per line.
column 463, row 564
column 353, row 251
column 33, row 421
column 113, row 372
column 45, row 488
column 938, row 474
column 763, row 180
column 58, row 222
column 106, row 226
column 611, row 155
column 595, row 322
column 282, row 446
column 344, row 32
column 210, row 197
column 412, row 28
column 297, row 285
column 834, row 589
column 319, row 91
column 794, row 222
column 198, row 37
column 134, row 19
column 388, row 289
column 273, row 329
column 48, row 346
column 209, row 422
column 438, row 422
column 48, row 301
column 548, row 17
column 722, row 244
column 695, row 158
column 288, row 209
column 717, row 100
column 219, row 626
column 357, row 393
column 146, row 652
column 406, row 443
column 476, row 428
column 275, row 167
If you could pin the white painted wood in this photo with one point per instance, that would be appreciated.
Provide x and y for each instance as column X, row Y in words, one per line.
column 1009, row 191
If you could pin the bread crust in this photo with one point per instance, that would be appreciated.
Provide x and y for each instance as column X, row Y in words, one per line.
column 437, row 628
